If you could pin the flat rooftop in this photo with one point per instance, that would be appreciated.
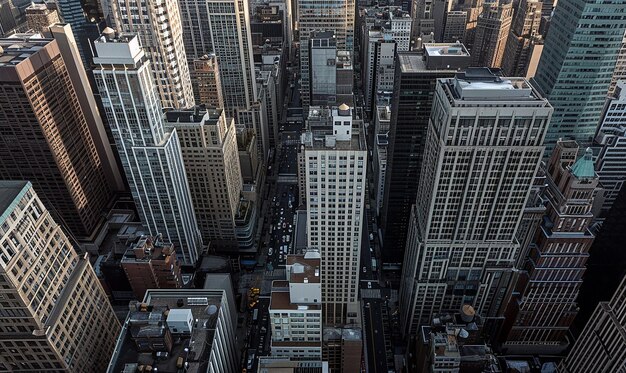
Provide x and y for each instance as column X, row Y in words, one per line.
column 482, row 84
column 194, row 348
column 435, row 57
column 319, row 141
column 279, row 300
column 18, row 48
column 10, row 193
column 196, row 115
column 304, row 268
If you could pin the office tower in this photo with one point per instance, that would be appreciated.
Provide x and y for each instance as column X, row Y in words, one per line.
column 39, row 17
column 270, row 82
column 52, row 146
column 381, row 129
column 329, row 15
column 323, row 48
column 206, row 83
column 189, row 329
column 209, row 147
column 522, row 38
column 150, row 263
column 55, row 315
column 492, row 31
column 601, row 345
column 556, row 260
column 335, row 161
column 87, row 21
column 9, row 17
column 611, row 141
column 158, row 26
column 270, row 364
column 222, row 27
column 150, row 153
column 295, row 309
column 384, row 34
column 576, row 65
column 454, row 29
column 474, row 8
column 483, row 149
column 619, row 73
column 547, row 7
column 416, row 75
column 429, row 19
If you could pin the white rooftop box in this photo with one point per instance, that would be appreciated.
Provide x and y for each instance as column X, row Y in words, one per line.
column 180, row 321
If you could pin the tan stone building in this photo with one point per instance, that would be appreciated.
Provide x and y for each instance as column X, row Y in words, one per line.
column 209, row 147
column 54, row 314
column 45, row 131
column 39, row 17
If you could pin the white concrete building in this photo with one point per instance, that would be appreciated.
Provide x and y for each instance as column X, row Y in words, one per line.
column 295, row 309
column 484, row 146
column 209, row 147
column 611, row 139
column 158, row 25
column 150, row 154
column 335, row 160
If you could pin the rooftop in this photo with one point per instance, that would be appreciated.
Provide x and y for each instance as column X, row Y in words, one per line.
column 149, row 323
column 483, row 84
column 584, row 167
column 280, row 300
column 10, row 194
column 435, row 57
column 147, row 248
column 199, row 114
column 17, row 48
column 304, row 268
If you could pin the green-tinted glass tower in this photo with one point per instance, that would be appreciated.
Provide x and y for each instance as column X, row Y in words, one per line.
column 577, row 63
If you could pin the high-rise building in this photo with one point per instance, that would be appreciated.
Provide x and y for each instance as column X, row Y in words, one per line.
column 576, row 66
column 189, row 329
column 341, row 347
column 384, row 34
column 295, row 309
column 323, row 53
column 335, row 160
column 455, row 25
column 41, row 16
column 87, row 21
column 492, row 31
column 55, row 314
column 619, row 73
column 53, row 146
column 150, row 153
column 611, row 142
column 416, row 75
column 151, row 263
column 522, row 38
column 557, row 257
column 329, row 15
column 601, row 345
column 222, row 27
column 429, row 19
column 158, row 26
column 483, row 149
column 209, row 146
column 206, row 83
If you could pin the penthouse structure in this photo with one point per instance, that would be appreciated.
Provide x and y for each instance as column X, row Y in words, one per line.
column 170, row 330
column 41, row 16
column 55, row 314
column 483, row 150
column 295, row 309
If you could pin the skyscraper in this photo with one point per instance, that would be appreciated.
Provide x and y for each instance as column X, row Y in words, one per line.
column 611, row 142
column 150, row 153
column 416, row 76
column 206, row 82
column 55, row 314
column 334, row 160
column 329, row 15
column 455, row 26
column 619, row 73
column 87, row 21
column 492, row 31
column 576, row 65
column 40, row 16
column 602, row 345
column 52, row 146
column 158, row 26
column 483, row 149
column 557, row 257
column 524, row 34
column 209, row 147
